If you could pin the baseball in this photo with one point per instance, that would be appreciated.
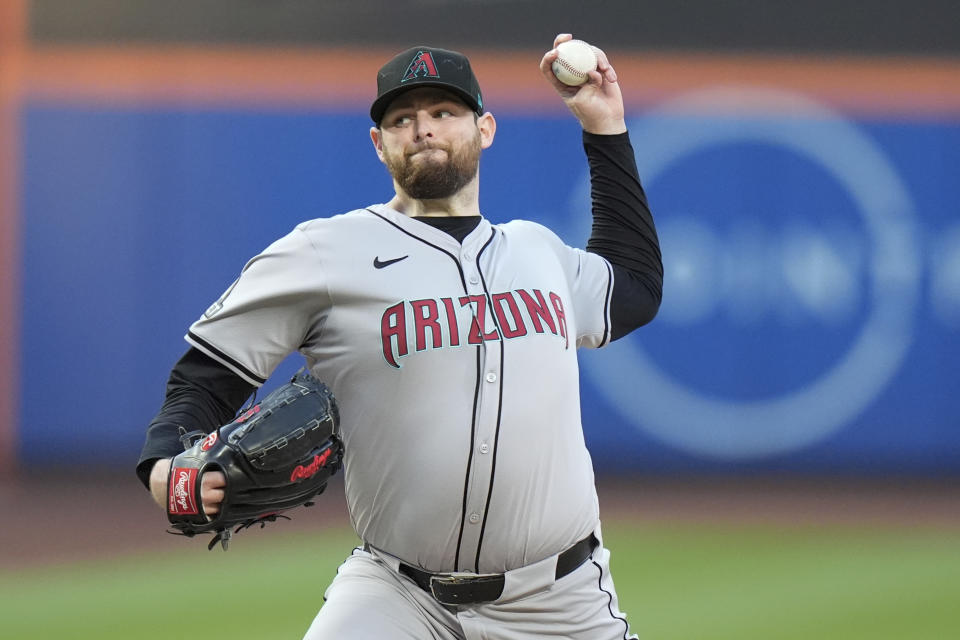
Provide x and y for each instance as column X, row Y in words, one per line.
column 576, row 58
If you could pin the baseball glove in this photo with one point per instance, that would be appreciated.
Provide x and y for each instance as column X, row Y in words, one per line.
column 277, row 455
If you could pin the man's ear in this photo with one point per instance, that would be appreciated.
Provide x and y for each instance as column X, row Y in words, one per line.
column 375, row 134
column 487, row 125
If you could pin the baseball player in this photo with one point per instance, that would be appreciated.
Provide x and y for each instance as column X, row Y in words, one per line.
column 451, row 345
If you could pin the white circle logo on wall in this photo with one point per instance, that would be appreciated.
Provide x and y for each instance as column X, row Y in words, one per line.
column 733, row 429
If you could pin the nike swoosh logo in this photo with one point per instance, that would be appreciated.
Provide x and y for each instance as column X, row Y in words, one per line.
column 378, row 264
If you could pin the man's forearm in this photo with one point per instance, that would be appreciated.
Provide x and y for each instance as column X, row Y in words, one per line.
column 202, row 394
column 623, row 231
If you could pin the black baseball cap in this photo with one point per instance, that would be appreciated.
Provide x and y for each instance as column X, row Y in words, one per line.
column 426, row 67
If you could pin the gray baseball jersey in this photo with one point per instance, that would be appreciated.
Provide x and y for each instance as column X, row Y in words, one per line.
column 455, row 369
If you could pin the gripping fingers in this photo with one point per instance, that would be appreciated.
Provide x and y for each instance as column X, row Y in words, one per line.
column 561, row 37
column 604, row 68
column 547, row 61
column 212, row 491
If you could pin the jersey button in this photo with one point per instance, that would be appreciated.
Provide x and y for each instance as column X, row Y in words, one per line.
column 484, row 448
column 491, row 377
column 474, row 280
column 474, row 518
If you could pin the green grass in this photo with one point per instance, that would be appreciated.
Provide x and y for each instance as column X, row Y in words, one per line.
column 675, row 583
column 726, row 583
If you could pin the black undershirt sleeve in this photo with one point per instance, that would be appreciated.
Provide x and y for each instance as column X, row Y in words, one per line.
column 202, row 394
column 623, row 232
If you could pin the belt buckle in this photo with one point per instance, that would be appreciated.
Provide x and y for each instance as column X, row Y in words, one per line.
column 444, row 587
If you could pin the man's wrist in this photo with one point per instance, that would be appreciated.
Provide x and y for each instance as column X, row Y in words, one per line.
column 605, row 128
column 159, row 474
column 606, row 139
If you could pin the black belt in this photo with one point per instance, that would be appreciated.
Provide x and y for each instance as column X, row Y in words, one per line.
column 472, row 589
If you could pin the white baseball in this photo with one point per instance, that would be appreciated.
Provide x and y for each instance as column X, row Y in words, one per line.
column 574, row 60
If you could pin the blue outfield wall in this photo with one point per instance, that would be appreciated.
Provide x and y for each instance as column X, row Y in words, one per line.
column 812, row 301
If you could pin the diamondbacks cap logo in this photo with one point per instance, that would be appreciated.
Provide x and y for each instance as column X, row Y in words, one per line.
column 422, row 66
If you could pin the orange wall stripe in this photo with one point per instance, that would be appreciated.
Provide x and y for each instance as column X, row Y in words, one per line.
column 265, row 77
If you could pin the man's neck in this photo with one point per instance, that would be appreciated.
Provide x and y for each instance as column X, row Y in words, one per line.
column 465, row 202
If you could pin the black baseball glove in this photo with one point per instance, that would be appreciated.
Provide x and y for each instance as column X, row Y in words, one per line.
column 277, row 455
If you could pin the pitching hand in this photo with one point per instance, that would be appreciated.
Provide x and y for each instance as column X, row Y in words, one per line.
column 597, row 103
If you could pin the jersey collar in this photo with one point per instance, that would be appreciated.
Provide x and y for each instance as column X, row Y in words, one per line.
column 474, row 240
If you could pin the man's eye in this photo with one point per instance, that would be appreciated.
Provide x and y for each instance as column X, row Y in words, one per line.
column 402, row 121
column 443, row 113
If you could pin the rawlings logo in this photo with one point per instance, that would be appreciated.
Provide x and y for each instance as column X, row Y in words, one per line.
column 250, row 412
column 181, row 492
column 304, row 472
column 208, row 442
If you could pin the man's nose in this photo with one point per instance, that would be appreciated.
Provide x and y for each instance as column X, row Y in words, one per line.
column 424, row 124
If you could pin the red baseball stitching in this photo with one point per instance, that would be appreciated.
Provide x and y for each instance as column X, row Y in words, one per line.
column 566, row 65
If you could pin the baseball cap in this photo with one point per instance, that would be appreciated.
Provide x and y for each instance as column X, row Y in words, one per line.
column 426, row 67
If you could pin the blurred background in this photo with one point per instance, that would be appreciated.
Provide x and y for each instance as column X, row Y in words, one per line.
column 793, row 408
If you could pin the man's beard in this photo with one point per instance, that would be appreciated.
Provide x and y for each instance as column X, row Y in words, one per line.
column 431, row 179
